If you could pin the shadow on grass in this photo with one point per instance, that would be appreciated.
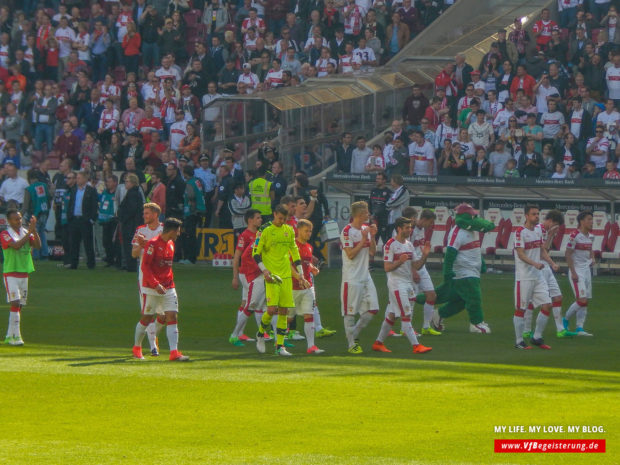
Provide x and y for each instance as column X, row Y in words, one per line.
column 94, row 360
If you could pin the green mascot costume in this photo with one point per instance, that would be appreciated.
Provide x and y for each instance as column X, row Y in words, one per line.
column 462, row 266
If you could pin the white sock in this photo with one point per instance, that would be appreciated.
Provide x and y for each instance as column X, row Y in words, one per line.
column 361, row 324
column 581, row 316
column 14, row 319
column 557, row 316
column 274, row 326
column 519, row 325
column 140, row 332
column 242, row 319
column 349, row 326
column 258, row 314
column 428, row 315
column 541, row 322
column 172, row 331
column 317, row 320
column 527, row 318
column 151, row 334
column 309, row 332
column 386, row 327
column 409, row 332
column 571, row 310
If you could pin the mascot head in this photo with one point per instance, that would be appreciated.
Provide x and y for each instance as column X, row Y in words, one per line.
column 467, row 218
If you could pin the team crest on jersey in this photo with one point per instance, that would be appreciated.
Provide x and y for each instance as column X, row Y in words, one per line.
column 150, row 251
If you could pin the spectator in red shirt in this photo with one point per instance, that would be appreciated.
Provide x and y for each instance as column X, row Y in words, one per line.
column 153, row 151
column 51, row 59
column 68, row 145
column 434, row 113
column 612, row 171
column 131, row 48
column 522, row 81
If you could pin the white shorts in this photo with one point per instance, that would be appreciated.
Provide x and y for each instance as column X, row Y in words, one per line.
column 532, row 291
column 244, row 287
column 400, row 300
column 254, row 295
column 425, row 284
column 358, row 298
column 304, row 302
column 581, row 284
column 552, row 283
column 16, row 289
column 159, row 304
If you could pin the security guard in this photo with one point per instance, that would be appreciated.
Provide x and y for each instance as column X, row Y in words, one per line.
column 262, row 194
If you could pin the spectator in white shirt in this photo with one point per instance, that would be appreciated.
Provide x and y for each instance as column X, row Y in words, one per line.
column 421, row 155
column 612, row 77
column 65, row 37
column 498, row 159
column 481, row 131
column 544, row 90
column 13, row 187
column 360, row 156
column 375, row 163
column 597, row 150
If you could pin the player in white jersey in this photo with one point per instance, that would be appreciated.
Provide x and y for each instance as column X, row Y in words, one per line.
column 553, row 220
column 530, row 286
column 425, row 222
column 421, row 278
column 358, row 293
column 579, row 257
column 399, row 263
column 148, row 324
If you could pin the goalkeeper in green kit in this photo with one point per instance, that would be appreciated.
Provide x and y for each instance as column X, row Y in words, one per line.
column 273, row 249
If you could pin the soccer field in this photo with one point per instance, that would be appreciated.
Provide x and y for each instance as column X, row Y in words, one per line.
column 74, row 395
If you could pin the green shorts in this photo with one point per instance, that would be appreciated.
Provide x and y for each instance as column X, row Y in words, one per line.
column 280, row 295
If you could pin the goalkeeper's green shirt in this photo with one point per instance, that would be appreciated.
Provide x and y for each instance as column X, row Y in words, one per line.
column 275, row 245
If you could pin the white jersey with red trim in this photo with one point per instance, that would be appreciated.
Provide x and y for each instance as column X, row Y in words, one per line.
column 346, row 62
column 418, row 238
column 274, row 78
column 109, row 119
column 423, row 155
column 178, row 131
column 531, row 241
column 469, row 258
column 393, row 250
column 354, row 270
column 148, row 234
column 163, row 73
column 321, row 66
column 582, row 247
column 612, row 76
column 106, row 92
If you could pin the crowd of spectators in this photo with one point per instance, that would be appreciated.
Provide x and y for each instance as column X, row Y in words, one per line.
column 539, row 105
column 96, row 87
column 78, row 80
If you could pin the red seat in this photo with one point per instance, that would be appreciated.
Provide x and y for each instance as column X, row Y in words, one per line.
column 557, row 240
column 613, row 237
column 504, row 235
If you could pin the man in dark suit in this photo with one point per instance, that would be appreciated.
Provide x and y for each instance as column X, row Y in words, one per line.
column 90, row 112
column 82, row 214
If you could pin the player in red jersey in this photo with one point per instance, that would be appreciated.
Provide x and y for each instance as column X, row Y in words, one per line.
column 158, row 285
column 144, row 233
column 304, row 296
column 244, row 269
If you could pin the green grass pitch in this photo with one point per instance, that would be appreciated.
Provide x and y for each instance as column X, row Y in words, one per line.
column 73, row 395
